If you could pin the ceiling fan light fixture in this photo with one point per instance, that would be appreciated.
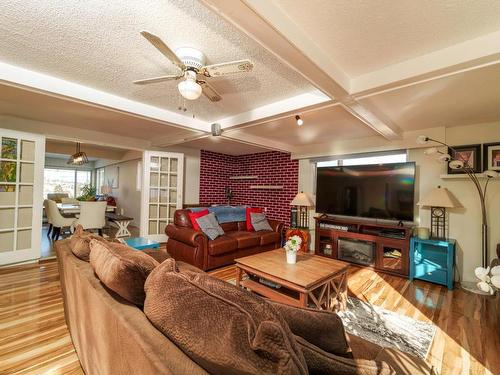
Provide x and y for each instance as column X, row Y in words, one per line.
column 189, row 88
column 300, row 122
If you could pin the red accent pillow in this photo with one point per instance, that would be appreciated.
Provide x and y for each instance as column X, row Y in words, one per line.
column 249, row 220
column 195, row 215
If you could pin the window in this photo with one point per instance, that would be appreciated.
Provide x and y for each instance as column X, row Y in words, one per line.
column 68, row 181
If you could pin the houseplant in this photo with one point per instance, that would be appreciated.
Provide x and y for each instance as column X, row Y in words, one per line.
column 88, row 193
column 291, row 247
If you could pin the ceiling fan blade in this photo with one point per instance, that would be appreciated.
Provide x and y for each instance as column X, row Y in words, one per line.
column 163, row 48
column 157, row 79
column 223, row 69
column 209, row 92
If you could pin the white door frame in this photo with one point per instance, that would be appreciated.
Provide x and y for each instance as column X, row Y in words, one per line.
column 145, row 189
column 34, row 252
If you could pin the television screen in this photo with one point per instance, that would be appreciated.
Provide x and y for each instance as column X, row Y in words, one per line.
column 382, row 191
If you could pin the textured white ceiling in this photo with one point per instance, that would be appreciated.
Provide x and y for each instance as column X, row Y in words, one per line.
column 97, row 43
column 319, row 126
column 362, row 36
column 467, row 98
column 36, row 106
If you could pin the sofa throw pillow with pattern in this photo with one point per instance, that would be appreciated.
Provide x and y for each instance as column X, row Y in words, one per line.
column 210, row 226
column 195, row 215
column 259, row 221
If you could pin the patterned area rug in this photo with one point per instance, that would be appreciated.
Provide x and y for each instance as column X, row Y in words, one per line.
column 387, row 328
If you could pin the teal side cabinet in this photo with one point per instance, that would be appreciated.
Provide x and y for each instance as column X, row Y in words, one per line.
column 432, row 260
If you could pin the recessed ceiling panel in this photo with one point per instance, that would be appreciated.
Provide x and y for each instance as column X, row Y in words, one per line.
column 320, row 126
column 37, row 106
column 97, row 43
column 362, row 36
column 467, row 98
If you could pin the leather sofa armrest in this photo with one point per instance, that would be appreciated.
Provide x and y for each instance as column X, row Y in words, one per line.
column 276, row 225
column 188, row 236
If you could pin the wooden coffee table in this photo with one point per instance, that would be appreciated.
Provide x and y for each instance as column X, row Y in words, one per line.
column 314, row 281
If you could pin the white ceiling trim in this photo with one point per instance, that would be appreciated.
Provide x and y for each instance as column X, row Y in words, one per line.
column 268, row 25
column 282, row 108
column 28, row 79
column 254, row 140
column 469, row 54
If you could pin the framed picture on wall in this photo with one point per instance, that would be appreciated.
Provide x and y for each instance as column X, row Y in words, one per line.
column 491, row 156
column 469, row 154
column 113, row 176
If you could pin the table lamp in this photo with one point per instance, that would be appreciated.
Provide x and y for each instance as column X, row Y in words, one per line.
column 300, row 213
column 439, row 199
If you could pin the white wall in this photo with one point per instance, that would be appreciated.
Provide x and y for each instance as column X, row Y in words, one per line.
column 464, row 223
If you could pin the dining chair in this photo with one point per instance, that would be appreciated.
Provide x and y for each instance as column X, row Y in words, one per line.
column 59, row 222
column 47, row 213
column 70, row 201
column 92, row 215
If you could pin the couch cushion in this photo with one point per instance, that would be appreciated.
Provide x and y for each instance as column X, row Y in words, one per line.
column 226, row 330
column 222, row 245
column 321, row 328
column 160, row 255
column 122, row 269
column 229, row 227
column 320, row 362
column 268, row 237
column 245, row 239
column 80, row 243
column 248, row 219
column 194, row 216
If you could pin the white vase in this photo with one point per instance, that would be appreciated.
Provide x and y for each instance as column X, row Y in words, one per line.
column 291, row 257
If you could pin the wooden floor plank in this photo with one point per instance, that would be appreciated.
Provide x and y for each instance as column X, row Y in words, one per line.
column 34, row 338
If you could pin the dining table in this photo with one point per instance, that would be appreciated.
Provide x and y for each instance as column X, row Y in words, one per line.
column 70, row 208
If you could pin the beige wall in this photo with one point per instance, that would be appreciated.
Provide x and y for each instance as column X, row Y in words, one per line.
column 464, row 223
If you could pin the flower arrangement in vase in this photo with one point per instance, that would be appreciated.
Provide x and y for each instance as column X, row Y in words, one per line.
column 291, row 247
column 490, row 279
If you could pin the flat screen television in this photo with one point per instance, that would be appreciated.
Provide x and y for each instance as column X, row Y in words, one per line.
column 382, row 191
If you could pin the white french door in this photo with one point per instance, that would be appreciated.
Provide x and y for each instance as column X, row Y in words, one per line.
column 21, row 189
column 161, row 194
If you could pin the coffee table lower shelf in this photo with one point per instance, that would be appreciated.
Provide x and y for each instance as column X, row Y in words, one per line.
column 270, row 293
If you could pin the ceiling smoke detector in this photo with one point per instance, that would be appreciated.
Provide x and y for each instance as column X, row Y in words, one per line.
column 216, row 130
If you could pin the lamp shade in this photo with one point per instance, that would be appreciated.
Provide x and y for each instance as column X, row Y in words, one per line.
column 301, row 199
column 439, row 197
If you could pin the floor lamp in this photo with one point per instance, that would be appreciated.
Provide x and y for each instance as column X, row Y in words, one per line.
column 458, row 163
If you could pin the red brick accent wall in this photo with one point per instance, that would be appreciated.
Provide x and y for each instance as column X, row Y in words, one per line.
column 273, row 168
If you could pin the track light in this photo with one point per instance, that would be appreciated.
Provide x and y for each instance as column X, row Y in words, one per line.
column 300, row 122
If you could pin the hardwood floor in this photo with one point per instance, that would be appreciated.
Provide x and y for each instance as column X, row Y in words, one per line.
column 34, row 338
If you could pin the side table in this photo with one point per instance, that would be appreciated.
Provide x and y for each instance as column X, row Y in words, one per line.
column 432, row 260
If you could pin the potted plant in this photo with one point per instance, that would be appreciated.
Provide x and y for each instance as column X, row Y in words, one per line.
column 88, row 193
column 291, row 247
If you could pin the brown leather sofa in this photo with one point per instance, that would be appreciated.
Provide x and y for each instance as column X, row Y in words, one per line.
column 194, row 247
column 112, row 336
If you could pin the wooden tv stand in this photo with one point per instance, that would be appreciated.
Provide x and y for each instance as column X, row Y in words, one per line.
column 364, row 243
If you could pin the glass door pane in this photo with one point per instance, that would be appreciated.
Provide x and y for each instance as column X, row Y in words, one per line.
column 21, row 180
column 162, row 192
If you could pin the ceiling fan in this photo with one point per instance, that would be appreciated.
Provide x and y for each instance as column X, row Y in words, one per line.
column 192, row 70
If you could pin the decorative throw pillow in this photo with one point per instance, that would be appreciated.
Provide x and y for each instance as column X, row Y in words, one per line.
column 225, row 329
column 320, row 362
column 259, row 221
column 195, row 215
column 249, row 210
column 210, row 226
column 122, row 269
column 80, row 243
column 321, row 328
